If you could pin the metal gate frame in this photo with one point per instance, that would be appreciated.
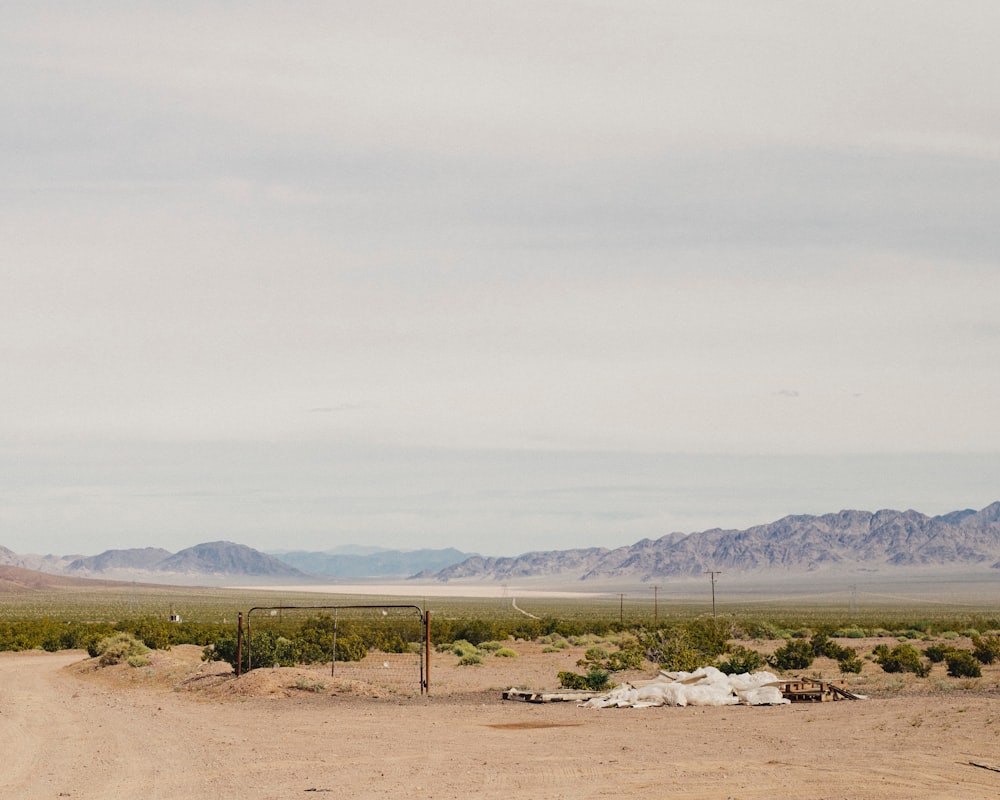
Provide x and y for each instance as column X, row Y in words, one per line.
column 423, row 616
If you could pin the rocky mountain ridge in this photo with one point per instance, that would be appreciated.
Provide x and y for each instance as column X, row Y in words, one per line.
column 848, row 539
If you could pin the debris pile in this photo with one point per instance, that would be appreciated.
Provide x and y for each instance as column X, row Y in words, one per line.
column 703, row 687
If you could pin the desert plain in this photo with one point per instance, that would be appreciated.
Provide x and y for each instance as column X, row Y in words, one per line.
column 181, row 727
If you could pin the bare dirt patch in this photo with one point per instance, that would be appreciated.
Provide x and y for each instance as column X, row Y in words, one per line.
column 181, row 727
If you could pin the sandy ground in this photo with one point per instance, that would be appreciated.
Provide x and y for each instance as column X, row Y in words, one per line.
column 181, row 728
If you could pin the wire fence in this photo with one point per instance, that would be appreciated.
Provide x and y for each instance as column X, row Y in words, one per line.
column 385, row 646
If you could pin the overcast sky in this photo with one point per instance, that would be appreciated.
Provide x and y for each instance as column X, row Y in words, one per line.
column 494, row 275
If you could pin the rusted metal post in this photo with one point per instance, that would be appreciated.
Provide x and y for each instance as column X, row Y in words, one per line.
column 239, row 645
column 427, row 652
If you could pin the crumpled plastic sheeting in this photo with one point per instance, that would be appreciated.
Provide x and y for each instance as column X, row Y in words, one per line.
column 704, row 687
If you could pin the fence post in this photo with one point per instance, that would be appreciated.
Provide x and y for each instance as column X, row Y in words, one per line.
column 239, row 645
column 427, row 652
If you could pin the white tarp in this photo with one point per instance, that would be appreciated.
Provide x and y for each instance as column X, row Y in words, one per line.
column 704, row 687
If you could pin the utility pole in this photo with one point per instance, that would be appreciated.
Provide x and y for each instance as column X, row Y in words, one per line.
column 713, row 573
column 656, row 616
column 621, row 609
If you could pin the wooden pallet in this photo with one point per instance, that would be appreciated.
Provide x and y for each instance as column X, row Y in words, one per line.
column 557, row 696
column 808, row 690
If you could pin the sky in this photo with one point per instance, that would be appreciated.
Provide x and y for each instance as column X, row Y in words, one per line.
column 501, row 276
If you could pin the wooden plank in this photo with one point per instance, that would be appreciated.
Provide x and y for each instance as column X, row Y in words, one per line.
column 565, row 696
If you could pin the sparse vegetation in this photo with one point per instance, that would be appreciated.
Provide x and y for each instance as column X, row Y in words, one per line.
column 963, row 664
column 118, row 649
column 596, row 680
column 742, row 659
column 902, row 658
column 795, row 654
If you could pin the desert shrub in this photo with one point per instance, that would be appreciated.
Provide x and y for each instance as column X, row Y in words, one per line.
column 505, row 652
column 850, row 663
column 986, row 648
column 594, row 655
column 470, row 660
column 596, row 680
column 802, row 633
column 851, row 633
column 902, row 658
column 285, row 654
column 154, row 631
column 742, row 659
column 949, row 635
column 759, row 629
column 491, row 647
column 936, row 653
column 306, row 685
column 462, row 648
column 686, row 647
column 138, row 661
column 625, row 658
column 550, row 649
column 796, row 654
column 118, row 648
column 672, row 650
column 963, row 664
column 572, row 680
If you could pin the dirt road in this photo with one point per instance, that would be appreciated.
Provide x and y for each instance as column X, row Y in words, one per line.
column 62, row 735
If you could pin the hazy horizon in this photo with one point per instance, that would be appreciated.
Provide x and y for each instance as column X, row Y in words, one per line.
column 495, row 276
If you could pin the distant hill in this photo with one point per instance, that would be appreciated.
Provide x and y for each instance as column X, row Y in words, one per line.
column 847, row 540
column 209, row 560
column 374, row 563
column 109, row 560
column 226, row 558
column 17, row 579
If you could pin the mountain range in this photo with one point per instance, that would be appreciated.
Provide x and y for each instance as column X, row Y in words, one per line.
column 847, row 540
column 155, row 565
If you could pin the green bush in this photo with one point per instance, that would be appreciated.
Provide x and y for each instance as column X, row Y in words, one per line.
column 796, row 654
column 595, row 655
column 686, row 647
column 625, row 658
column 742, row 659
column 850, row 663
column 470, row 660
column 937, row 653
column 963, row 664
column 462, row 648
column 902, row 658
column 986, row 648
column 596, row 680
column 118, row 649
column 505, row 652
column 572, row 680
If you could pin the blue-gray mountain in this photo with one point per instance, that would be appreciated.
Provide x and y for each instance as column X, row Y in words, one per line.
column 376, row 564
column 845, row 540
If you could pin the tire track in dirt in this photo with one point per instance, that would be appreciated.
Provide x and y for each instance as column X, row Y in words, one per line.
column 62, row 737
